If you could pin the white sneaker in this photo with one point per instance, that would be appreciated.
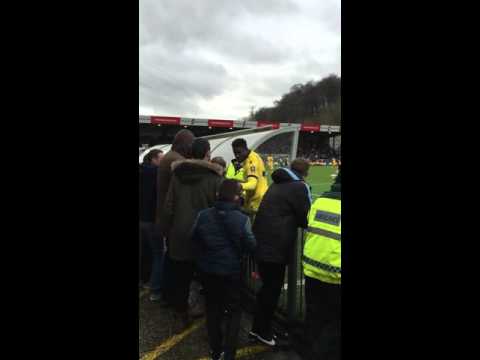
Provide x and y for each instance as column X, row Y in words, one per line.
column 269, row 342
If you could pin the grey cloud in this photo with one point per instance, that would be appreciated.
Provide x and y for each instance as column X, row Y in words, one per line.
column 184, row 44
column 328, row 13
column 182, row 25
column 245, row 48
column 318, row 70
column 269, row 6
column 272, row 86
column 331, row 16
column 178, row 81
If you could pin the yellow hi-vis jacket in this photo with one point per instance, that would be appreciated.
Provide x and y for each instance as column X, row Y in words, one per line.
column 322, row 258
column 233, row 174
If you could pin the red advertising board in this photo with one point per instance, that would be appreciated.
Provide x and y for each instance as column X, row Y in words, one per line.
column 167, row 120
column 220, row 123
column 310, row 127
column 261, row 123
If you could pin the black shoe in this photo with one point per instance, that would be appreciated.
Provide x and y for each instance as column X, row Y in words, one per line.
column 216, row 356
column 165, row 304
column 147, row 286
column 182, row 322
column 156, row 298
column 280, row 335
column 197, row 310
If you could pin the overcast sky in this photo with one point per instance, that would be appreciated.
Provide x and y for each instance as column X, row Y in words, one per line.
column 218, row 58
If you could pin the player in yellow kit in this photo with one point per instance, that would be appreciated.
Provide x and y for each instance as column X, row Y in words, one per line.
column 270, row 162
column 255, row 181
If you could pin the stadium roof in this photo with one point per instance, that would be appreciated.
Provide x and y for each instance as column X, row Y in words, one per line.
column 230, row 124
column 221, row 144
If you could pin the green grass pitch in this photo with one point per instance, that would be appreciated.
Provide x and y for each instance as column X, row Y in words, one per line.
column 320, row 179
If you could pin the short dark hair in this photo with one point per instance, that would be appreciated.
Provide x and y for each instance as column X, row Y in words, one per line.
column 200, row 147
column 241, row 143
column 300, row 165
column 338, row 179
column 228, row 190
column 182, row 142
column 152, row 154
column 220, row 161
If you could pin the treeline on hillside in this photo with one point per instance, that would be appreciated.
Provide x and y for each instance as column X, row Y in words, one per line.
column 311, row 102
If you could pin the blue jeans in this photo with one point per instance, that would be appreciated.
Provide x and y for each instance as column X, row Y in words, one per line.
column 151, row 234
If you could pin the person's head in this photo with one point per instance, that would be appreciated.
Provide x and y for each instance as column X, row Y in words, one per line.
column 201, row 149
column 301, row 166
column 220, row 161
column 240, row 149
column 182, row 142
column 337, row 185
column 230, row 191
column 153, row 157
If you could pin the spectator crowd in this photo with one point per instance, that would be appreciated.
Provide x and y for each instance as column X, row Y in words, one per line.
column 198, row 223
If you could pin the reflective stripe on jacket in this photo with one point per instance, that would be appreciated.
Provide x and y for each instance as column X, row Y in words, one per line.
column 323, row 242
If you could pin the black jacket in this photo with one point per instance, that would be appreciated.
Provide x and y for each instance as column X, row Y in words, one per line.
column 193, row 187
column 148, row 192
column 221, row 235
column 283, row 210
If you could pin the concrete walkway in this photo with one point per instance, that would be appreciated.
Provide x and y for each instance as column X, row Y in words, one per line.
column 158, row 340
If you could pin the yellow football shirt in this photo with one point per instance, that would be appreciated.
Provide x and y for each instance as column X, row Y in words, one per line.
column 255, row 184
column 270, row 162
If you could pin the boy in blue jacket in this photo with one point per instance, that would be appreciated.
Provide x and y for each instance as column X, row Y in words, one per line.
column 222, row 235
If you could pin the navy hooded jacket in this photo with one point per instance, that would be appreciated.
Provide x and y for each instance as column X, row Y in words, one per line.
column 221, row 236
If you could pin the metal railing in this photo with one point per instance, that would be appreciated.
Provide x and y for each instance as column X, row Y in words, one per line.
column 291, row 305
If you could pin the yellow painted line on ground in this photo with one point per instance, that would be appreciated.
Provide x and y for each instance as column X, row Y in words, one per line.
column 247, row 351
column 171, row 341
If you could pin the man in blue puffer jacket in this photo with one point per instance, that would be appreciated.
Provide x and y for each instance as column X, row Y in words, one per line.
column 221, row 236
